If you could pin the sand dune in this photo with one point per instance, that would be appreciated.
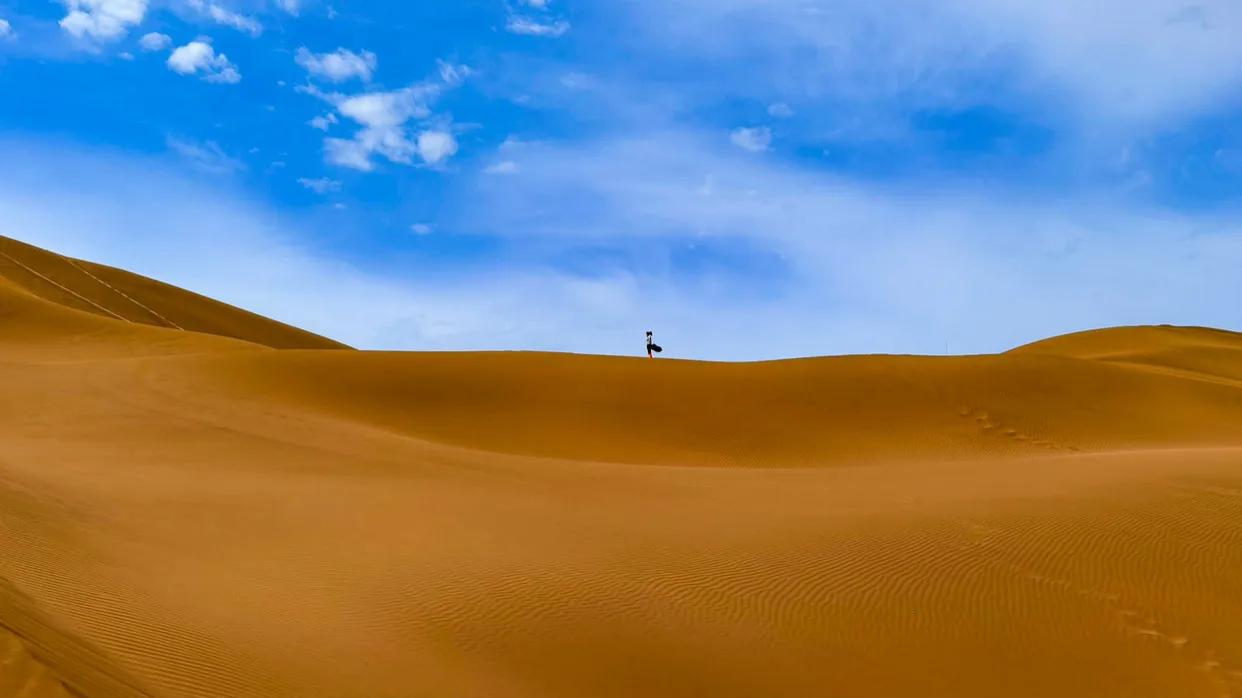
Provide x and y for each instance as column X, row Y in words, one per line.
column 129, row 298
column 241, row 508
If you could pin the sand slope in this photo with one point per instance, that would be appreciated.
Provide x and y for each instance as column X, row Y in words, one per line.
column 120, row 295
column 199, row 513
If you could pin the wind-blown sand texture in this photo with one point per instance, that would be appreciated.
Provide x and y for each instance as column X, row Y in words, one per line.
column 197, row 501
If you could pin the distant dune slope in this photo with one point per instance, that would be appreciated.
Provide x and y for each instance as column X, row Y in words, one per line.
column 807, row 412
column 1210, row 354
column 37, row 329
column 120, row 295
column 220, row 511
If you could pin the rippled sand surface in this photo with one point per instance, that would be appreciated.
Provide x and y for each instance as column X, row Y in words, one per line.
column 196, row 501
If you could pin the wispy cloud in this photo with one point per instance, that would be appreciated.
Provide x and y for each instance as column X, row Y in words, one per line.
column 453, row 74
column 503, row 167
column 154, row 41
column 321, row 185
column 323, row 122
column 780, row 110
column 753, row 139
column 207, row 156
column 532, row 27
column 339, row 65
column 222, row 15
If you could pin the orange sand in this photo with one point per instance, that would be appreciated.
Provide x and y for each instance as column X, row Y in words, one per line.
column 240, row 508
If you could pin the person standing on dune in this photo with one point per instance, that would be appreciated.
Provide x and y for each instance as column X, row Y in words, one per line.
column 652, row 347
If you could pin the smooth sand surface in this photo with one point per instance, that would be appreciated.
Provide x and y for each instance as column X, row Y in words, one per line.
column 250, row 510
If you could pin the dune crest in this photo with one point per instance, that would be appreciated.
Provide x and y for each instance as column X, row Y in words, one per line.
column 119, row 295
column 197, row 501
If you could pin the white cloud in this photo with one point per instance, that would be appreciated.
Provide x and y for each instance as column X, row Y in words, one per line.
column 388, row 109
column 6, row 29
column 435, row 147
column 322, row 185
column 323, row 123
column 753, row 139
column 292, row 7
column 348, row 153
column 207, row 157
column 155, row 41
column 200, row 57
column 538, row 4
column 227, row 17
column 104, row 20
column 503, row 167
column 337, row 66
column 532, row 27
column 384, row 118
column 780, row 110
column 421, row 229
column 453, row 74
column 513, row 143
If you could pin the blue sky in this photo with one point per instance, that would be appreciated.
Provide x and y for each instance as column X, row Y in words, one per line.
column 749, row 179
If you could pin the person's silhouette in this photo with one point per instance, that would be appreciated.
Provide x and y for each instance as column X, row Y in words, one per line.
column 652, row 347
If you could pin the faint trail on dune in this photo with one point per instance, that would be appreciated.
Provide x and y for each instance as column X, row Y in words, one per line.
column 1198, row 543
column 65, row 288
column 116, row 294
column 122, row 294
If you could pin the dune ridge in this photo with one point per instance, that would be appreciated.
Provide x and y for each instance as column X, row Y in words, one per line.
column 195, row 501
column 120, row 295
